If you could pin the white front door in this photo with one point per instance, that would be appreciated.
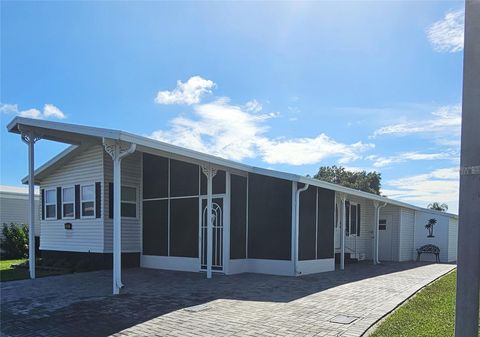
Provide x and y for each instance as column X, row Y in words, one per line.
column 217, row 233
column 385, row 231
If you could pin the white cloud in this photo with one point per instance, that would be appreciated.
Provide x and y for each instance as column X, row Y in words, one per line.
column 235, row 132
column 31, row 113
column 445, row 119
column 300, row 151
column 446, row 35
column 382, row 161
column 188, row 93
column 49, row 111
column 219, row 128
column 438, row 185
column 253, row 106
column 8, row 108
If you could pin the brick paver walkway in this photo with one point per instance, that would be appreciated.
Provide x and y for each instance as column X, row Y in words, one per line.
column 165, row 303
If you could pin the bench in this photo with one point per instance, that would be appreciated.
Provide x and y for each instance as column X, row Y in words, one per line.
column 429, row 249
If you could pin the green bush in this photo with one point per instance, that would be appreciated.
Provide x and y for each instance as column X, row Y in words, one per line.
column 14, row 243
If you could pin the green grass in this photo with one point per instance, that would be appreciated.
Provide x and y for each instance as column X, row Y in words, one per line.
column 429, row 313
column 8, row 273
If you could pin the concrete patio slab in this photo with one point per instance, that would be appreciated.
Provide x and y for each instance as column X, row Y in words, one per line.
column 165, row 303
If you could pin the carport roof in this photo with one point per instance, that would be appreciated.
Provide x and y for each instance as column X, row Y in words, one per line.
column 80, row 136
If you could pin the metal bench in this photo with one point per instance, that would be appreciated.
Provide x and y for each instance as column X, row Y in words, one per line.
column 429, row 249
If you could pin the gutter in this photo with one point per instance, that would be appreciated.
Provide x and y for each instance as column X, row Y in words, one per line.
column 297, row 223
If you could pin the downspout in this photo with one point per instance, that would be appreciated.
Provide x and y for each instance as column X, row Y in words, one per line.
column 377, row 261
column 297, row 223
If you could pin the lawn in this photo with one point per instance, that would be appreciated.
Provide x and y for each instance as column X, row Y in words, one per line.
column 8, row 273
column 429, row 313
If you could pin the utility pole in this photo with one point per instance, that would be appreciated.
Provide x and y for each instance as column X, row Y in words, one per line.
column 468, row 266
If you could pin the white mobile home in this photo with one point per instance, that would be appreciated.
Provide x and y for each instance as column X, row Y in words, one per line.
column 14, row 207
column 156, row 205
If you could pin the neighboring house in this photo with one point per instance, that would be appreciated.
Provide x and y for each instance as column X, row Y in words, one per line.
column 14, row 207
column 262, row 220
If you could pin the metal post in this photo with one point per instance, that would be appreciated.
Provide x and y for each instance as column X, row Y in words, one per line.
column 31, row 209
column 117, row 150
column 209, row 222
column 342, row 238
column 468, row 265
column 29, row 138
column 376, row 205
column 117, row 226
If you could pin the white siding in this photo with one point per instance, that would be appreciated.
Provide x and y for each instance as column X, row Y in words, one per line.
column 452, row 239
column 440, row 232
column 407, row 229
column 131, row 228
column 392, row 214
column 14, row 209
column 86, row 235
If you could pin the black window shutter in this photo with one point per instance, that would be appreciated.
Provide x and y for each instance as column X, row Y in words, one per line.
column 42, row 192
column 110, row 200
column 358, row 221
column 98, row 199
column 77, row 201
column 59, row 203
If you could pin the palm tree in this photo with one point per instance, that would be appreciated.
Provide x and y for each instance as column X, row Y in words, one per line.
column 429, row 226
column 438, row 207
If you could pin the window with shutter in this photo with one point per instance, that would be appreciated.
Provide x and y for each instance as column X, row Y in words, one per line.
column 50, row 204
column 68, row 202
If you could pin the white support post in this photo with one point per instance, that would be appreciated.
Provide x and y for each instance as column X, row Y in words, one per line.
column 342, row 238
column 30, row 138
column 210, row 172
column 117, row 150
column 376, row 206
column 297, row 225
column 294, row 226
column 226, row 224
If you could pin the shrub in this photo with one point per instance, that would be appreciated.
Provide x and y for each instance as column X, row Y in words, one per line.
column 14, row 243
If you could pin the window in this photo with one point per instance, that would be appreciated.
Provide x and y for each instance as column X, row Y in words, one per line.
column 347, row 218
column 50, row 204
column 129, row 202
column 352, row 218
column 68, row 202
column 88, row 201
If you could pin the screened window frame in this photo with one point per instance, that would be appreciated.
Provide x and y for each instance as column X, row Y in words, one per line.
column 129, row 202
column 87, row 200
column 69, row 202
column 54, row 203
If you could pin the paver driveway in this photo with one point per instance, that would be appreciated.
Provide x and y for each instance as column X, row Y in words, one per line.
column 161, row 303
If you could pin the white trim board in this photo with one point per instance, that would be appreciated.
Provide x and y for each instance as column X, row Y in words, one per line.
column 262, row 266
column 315, row 266
column 170, row 263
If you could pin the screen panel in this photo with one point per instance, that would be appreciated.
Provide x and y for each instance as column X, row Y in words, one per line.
column 155, row 227
column 183, row 178
column 326, row 212
column 269, row 218
column 155, row 176
column 184, row 227
column 218, row 183
column 307, row 224
column 238, row 217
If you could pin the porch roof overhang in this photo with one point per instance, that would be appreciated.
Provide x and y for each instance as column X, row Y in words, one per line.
column 80, row 136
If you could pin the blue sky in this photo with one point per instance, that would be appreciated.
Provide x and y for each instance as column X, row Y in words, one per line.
column 290, row 86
